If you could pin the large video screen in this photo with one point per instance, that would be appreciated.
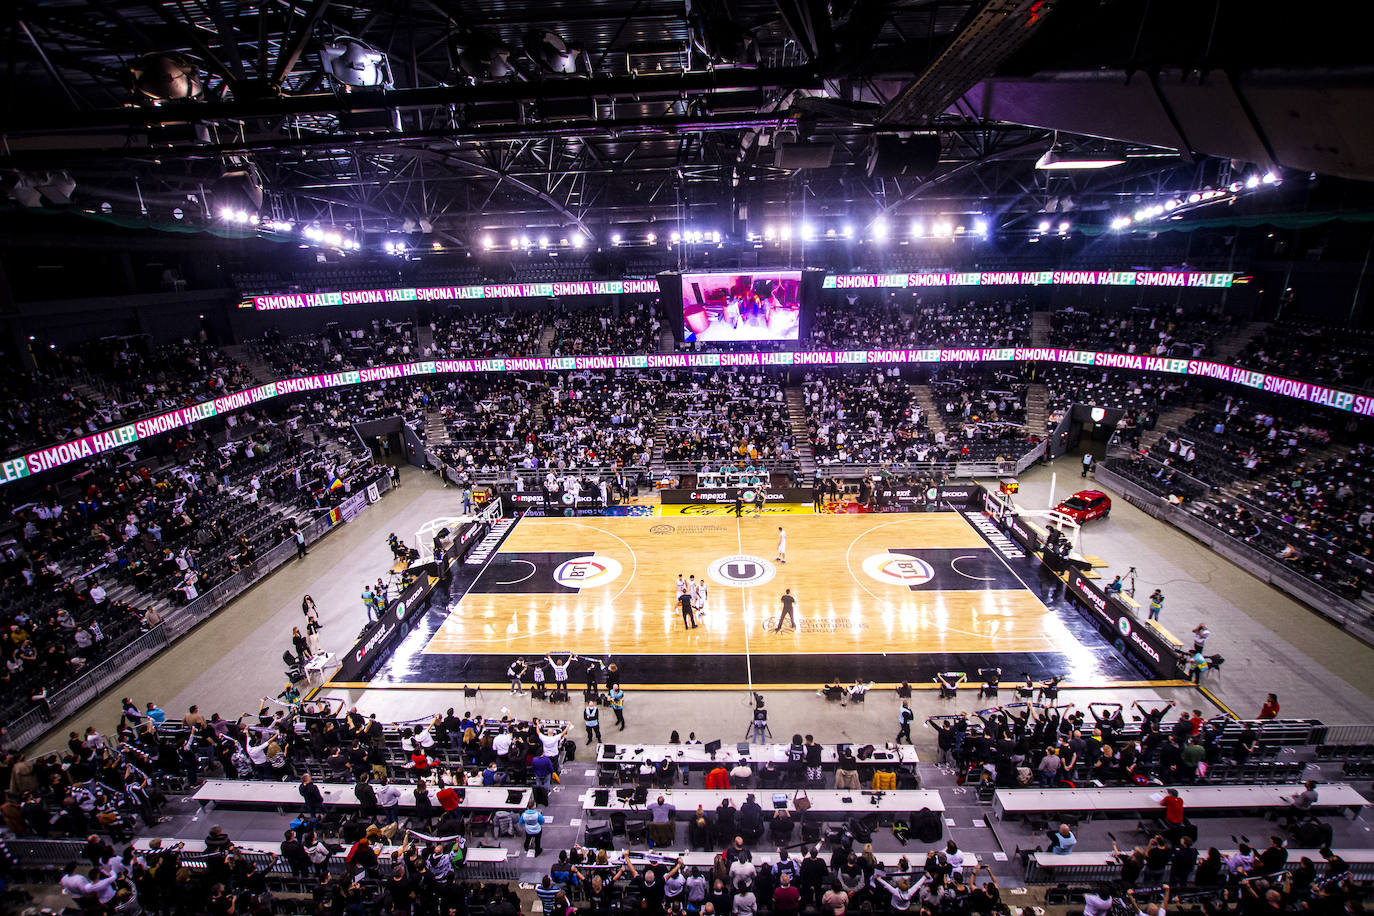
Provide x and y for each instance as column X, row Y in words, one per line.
column 758, row 305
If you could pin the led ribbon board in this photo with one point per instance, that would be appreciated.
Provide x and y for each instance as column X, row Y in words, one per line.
column 1172, row 279
column 19, row 466
column 1169, row 279
column 438, row 293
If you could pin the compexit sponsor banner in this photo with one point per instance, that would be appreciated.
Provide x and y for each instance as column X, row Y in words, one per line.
column 437, row 293
column 1166, row 278
column 17, row 467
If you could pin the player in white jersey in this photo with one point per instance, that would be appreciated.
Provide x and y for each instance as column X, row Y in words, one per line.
column 782, row 546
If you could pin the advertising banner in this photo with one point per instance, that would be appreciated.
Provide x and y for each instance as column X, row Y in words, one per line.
column 708, row 496
column 17, row 467
column 380, row 637
column 1132, row 637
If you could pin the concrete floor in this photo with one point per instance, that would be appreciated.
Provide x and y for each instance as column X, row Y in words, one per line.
column 1270, row 642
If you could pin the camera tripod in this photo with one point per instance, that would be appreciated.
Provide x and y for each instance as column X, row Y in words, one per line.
column 1130, row 581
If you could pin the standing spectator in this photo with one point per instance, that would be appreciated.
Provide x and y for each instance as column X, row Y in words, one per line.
column 532, row 820
column 591, row 720
column 310, row 793
column 904, row 717
column 1270, row 709
column 1156, row 604
column 617, row 700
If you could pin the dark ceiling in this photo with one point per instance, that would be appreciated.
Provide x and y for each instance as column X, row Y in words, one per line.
column 722, row 113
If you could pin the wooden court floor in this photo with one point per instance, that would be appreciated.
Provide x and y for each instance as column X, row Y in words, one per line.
column 888, row 583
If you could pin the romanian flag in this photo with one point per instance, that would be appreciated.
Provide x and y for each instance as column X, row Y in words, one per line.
column 335, row 484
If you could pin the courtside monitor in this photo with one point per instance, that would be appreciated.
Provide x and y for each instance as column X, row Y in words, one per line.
column 734, row 306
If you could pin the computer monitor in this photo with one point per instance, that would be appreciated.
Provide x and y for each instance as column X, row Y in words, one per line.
column 711, row 748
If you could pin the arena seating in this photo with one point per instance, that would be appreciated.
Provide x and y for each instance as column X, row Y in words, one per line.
column 725, row 414
column 1159, row 331
column 1309, row 351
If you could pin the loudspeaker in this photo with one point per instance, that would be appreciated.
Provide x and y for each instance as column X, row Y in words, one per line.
column 803, row 155
column 890, row 156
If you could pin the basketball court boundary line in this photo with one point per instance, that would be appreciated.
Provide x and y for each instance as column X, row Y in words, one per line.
column 504, row 686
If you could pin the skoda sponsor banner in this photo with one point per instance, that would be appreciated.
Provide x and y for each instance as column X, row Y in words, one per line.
column 1132, row 637
column 1022, row 533
column 381, row 636
column 717, row 495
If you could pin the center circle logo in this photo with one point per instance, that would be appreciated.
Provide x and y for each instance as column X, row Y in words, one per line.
column 590, row 571
column 898, row 569
column 1124, row 626
column 742, row 571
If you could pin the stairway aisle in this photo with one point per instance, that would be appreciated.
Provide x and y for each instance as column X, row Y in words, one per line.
column 926, row 398
column 1037, row 408
column 1040, row 329
column 245, row 354
column 1233, row 344
column 796, row 414
column 424, row 339
column 666, row 342
column 436, row 430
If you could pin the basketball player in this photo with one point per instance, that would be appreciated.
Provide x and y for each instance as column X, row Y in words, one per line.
column 788, row 603
column 782, row 545
column 681, row 585
column 699, row 599
column 758, row 501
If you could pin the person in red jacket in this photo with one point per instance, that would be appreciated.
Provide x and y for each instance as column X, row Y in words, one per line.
column 786, row 898
column 718, row 779
column 1270, row 709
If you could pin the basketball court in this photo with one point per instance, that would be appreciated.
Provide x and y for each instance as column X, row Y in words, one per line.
column 888, row 598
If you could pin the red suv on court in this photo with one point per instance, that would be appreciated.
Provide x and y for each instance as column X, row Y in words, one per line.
column 1086, row 505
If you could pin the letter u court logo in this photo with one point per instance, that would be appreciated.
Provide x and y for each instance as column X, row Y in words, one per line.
column 741, row 571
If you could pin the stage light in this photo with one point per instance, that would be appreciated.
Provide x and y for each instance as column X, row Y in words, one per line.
column 552, row 53
column 941, row 230
column 578, row 240
column 674, row 237
column 57, row 186
column 355, row 63
column 830, row 233
column 161, row 77
column 1194, row 197
column 1054, row 159
column 768, row 232
column 514, row 242
column 917, row 229
column 481, row 55
column 1252, row 182
column 879, row 229
column 488, row 242
column 615, row 238
column 1121, row 222
column 651, row 238
column 1269, row 178
column 808, row 232
column 980, row 226
column 847, row 231
column 786, row 233
column 1043, row 227
column 543, row 241
column 1064, row 228
column 715, row 236
column 1172, row 204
